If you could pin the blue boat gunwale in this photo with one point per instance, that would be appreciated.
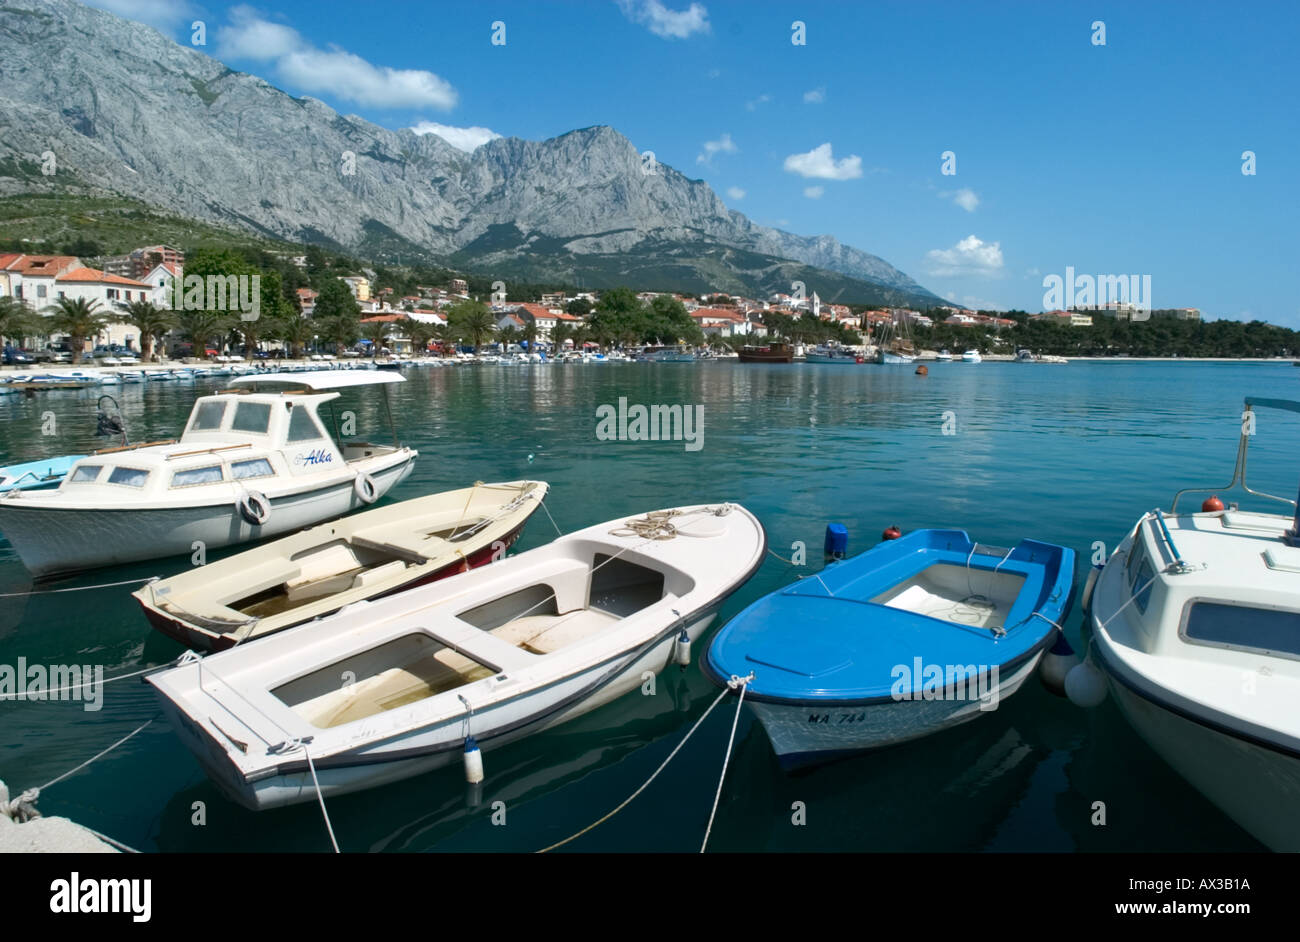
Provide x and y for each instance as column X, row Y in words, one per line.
column 1053, row 600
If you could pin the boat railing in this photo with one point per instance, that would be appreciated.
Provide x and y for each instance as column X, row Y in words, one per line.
column 1239, row 471
column 205, row 451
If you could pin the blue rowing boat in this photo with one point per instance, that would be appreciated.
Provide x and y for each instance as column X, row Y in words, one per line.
column 34, row 475
column 913, row 636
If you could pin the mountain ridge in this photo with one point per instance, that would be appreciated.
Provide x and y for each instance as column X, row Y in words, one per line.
column 126, row 110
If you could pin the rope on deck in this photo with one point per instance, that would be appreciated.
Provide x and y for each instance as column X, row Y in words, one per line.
column 732, row 684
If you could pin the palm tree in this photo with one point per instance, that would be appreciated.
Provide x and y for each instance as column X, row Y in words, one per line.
column 151, row 321
column 296, row 330
column 472, row 318
column 15, row 320
column 559, row 334
column 341, row 330
column 530, row 334
column 444, row 335
column 508, row 335
column 79, row 319
column 376, row 332
column 199, row 327
column 420, row 332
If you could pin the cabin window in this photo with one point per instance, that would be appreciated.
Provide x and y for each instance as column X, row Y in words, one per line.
column 1141, row 586
column 1267, row 630
column 131, row 477
column 208, row 416
column 256, row 468
column 252, row 417
column 86, row 473
column 302, row 427
column 189, row 477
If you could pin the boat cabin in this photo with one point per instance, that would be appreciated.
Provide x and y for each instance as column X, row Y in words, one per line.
column 242, row 436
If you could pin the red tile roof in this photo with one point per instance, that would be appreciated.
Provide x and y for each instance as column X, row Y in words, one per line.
column 41, row 264
column 95, row 276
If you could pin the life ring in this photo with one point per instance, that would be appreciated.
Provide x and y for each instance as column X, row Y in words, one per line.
column 255, row 508
column 365, row 488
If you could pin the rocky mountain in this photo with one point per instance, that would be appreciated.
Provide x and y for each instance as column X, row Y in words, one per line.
column 122, row 109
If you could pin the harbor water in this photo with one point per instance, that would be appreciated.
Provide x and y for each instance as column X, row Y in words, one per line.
column 1071, row 454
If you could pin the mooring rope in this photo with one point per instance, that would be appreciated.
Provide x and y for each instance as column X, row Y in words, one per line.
column 319, row 796
column 23, row 808
column 732, row 684
column 44, row 694
column 646, row 783
column 79, row 588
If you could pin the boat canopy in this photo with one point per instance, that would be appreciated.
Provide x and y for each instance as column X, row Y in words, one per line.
column 322, row 379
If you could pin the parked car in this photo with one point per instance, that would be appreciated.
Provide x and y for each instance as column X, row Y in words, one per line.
column 13, row 355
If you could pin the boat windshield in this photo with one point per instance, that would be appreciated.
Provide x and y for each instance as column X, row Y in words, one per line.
column 1241, row 627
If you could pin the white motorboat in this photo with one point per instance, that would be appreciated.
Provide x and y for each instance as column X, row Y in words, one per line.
column 943, row 356
column 317, row 572
column 485, row 657
column 1195, row 622
column 972, row 356
column 250, row 464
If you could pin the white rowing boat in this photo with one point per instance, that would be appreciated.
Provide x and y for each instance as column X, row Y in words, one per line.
column 392, row 688
column 316, row 572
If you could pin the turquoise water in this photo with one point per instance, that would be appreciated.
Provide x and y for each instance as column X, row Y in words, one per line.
column 1070, row 454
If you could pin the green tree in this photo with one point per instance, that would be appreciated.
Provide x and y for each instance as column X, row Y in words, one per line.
column 295, row 330
column 560, row 333
column 79, row 319
column 578, row 307
column 152, row 321
column 377, row 332
column 16, row 321
column 420, row 332
column 200, row 327
column 471, row 319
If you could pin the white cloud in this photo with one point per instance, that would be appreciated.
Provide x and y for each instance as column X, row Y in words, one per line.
column 814, row 192
column 818, row 163
column 735, row 193
column 466, row 139
column 970, row 256
column 965, row 198
column 333, row 71
column 163, row 15
column 760, row 100
column 670, row 24
column 815, row 97
column 723, row 145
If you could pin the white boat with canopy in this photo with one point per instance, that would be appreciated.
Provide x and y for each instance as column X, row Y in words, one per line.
column 251, row 463
column 485, row 657
column 1195, row 623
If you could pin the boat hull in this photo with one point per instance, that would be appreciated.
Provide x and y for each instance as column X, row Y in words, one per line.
column 52, row 541
column 1259, row 788
column 810, row 733
column 434, row 747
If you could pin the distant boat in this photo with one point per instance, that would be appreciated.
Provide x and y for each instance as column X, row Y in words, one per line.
column 972, row 356
column 829, row 354
column 775, row 352
column 36, row 475
column 944, row 355
column 890, row 358
column 668, row 355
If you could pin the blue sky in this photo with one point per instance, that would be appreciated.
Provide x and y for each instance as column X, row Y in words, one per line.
column 1122, row 158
